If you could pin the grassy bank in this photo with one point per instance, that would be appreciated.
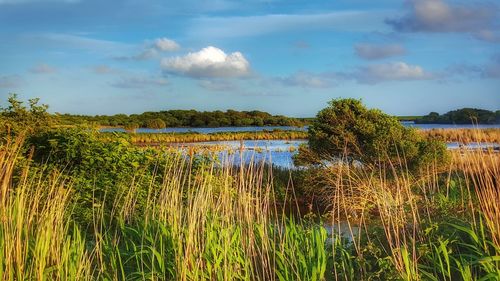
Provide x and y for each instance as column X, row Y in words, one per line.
column 446, row 135
column 463, row 135
column 159, row 138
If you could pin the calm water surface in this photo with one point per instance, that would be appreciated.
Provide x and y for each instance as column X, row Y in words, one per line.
column 279, row 152
column 286, row 128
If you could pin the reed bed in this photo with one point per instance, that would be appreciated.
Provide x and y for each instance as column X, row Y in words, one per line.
column 201, row 223
column 412, row 236
column 160, row 138
column 463, row 135
column 204, row 221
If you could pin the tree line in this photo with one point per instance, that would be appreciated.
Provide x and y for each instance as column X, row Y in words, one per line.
column 183, row 118
column 461, row 116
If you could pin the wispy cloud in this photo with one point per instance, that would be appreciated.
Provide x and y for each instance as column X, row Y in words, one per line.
column 137, row 82
column 244, row 26
column 305, row 79
column 208, row 62
column 43, row 68
column 439, row 16
column 153, row 49
column 12, row 2
column 492, row 68
column 10, row 81
column 104, row 69
column 78, row 42
column 395, row 71
column 378, row 51
column 218, row 85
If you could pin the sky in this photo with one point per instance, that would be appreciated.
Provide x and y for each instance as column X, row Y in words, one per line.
column 285, row 57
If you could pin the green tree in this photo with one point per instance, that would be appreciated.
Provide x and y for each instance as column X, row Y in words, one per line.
column 347, row 129
column 156, row 123
column 16, row 117
column 131, row 127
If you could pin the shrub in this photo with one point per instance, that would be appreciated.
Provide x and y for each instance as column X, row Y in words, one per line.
column 347, row 129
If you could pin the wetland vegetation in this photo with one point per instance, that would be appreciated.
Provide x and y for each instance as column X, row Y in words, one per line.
column 76, row 204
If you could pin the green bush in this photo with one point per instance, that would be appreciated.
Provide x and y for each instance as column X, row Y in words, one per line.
column 348, row 130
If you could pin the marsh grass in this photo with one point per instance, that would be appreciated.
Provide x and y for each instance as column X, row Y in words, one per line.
column 201, row 223
column 205, row 221
column 419, row 243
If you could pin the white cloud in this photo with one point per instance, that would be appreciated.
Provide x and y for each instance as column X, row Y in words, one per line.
column 208, row 62
column 373, row 51
column 166, row 45
column 396, row 71
column 43, row 68
column 152, row 49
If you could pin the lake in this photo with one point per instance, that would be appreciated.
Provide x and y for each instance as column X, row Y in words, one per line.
column 286, row 128
column 278, row 152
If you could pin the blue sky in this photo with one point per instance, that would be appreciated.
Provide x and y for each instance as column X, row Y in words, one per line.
column 282, row 56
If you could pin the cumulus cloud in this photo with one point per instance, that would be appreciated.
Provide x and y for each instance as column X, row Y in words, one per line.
column 165, row 45
column 139, row 82
column 439, row 16
column 206, row 63
column 373, row 51
column 396, row 71
column 10, row 81
column 43, row 68
column 308, row 80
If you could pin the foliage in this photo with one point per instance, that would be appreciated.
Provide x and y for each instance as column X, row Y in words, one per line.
column 16, row 117
column 462, row 116
column 348, row 130
column 185, row 118
column 156, row 123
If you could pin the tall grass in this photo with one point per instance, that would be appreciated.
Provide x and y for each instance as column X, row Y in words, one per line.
column 419, row 243
column 201, row 223
column 163, row 138
column 205, row 221
column 491, row 135
column 37, row 241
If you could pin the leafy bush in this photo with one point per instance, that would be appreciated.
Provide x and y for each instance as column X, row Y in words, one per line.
column 346, row 129
column 16, row 117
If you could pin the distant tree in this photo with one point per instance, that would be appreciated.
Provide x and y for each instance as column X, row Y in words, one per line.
column 347, row 129
column 461, row 116
column 132, row 127
column 156, row 124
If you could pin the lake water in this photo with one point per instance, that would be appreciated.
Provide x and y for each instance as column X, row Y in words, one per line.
column 286, row 128
column 278, row 152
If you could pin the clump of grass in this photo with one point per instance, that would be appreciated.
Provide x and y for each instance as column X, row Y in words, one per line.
column 37, row 241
